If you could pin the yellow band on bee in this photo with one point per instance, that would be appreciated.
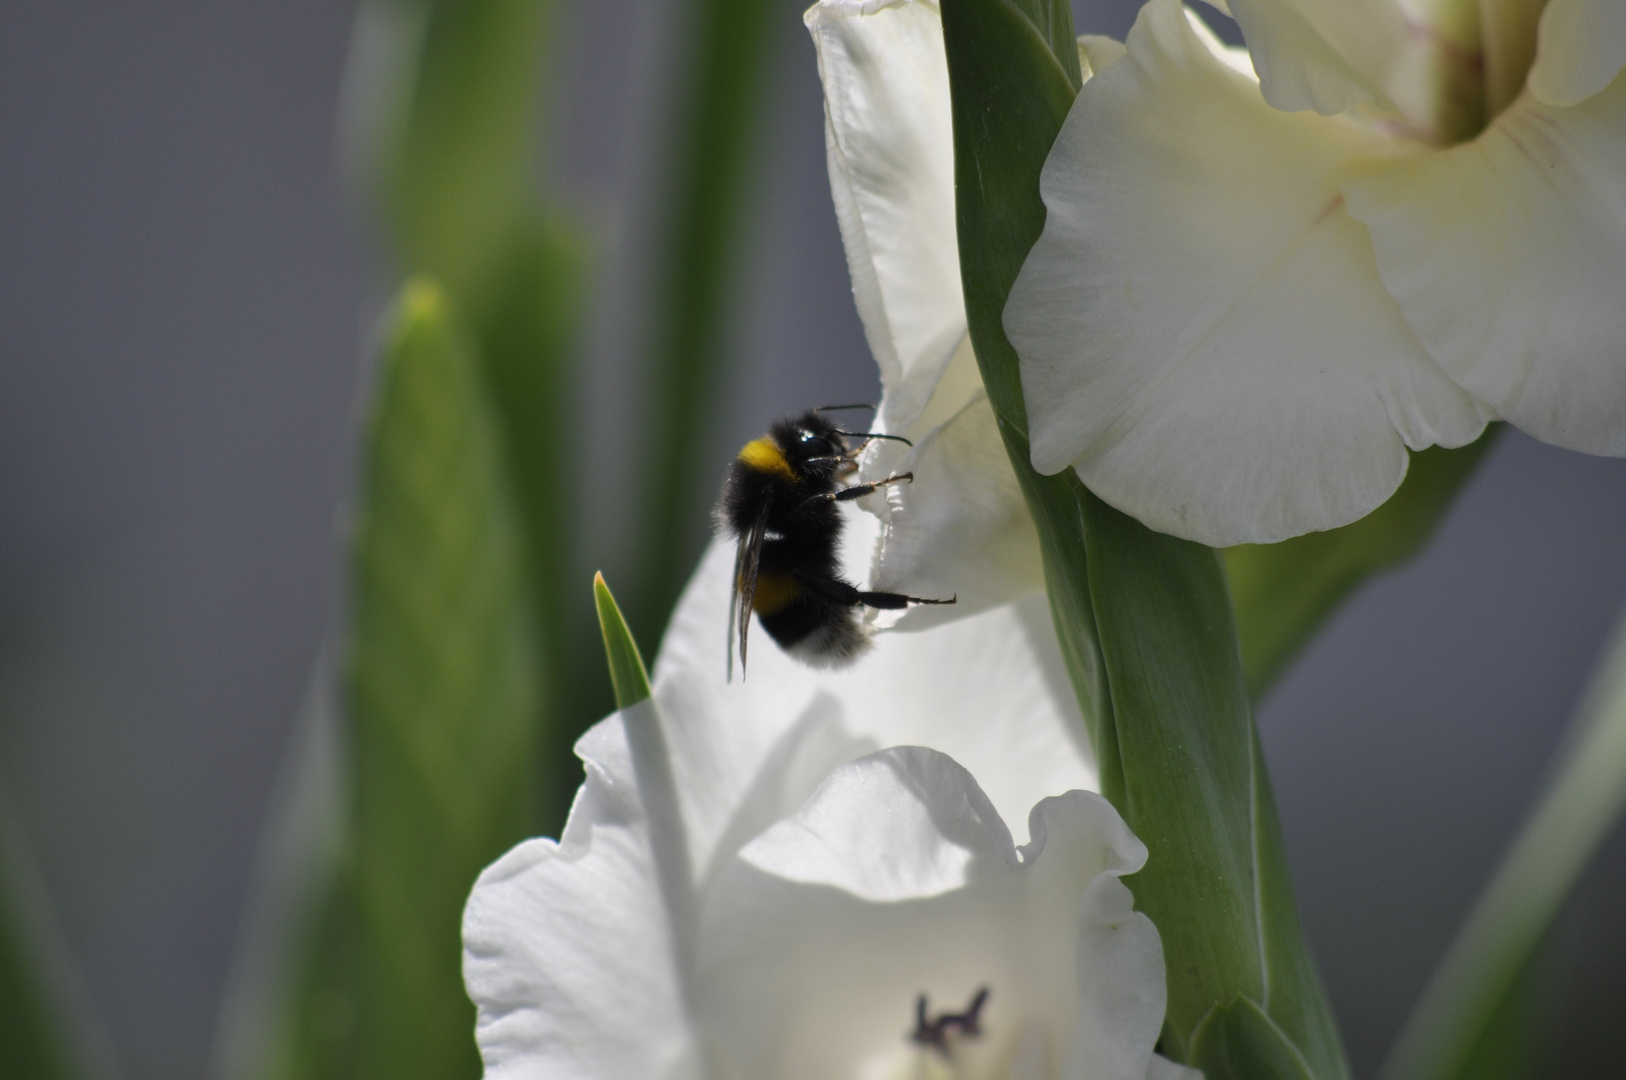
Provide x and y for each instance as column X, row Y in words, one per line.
column 773, row 592
column 764, row 455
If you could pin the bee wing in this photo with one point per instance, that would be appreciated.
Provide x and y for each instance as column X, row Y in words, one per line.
column 734, row 603
column 746, row 560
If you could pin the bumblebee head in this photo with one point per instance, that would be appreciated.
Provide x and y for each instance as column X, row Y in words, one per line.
column 808, row 449
column 810, row 436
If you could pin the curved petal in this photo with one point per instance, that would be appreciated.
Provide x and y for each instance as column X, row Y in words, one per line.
column 961, row 528
column 990, row 690
column 568, row 952
column 1096, row 53
column 1201, row 327
column 1321, row 54
column 1580, row 49
column 822, row 933
column 1418, row 60
column 1507, row 255
column 890, row 144
column 1161, row 1068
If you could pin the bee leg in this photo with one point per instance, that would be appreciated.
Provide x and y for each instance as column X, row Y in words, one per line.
column 829, row 588
column 891, row 601
column 843, row 593
column 858, row 491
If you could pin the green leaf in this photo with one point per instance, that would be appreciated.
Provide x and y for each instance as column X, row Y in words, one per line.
column 1463, row 1017
column 34, row 1038
column 1145, row 620
column 1284, row 592
column 1053, row 19
column 1195, row 787
column 442, row 696
column 459, row 88
column 30, row 1044
column 528, row 341
column 717, row 117
column 1237, row 1041
column 1508, row 1046
column 627, row 673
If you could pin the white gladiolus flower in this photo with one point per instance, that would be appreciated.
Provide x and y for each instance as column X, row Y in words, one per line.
column 748, row 887
column 962, row 528
column 1254, row 291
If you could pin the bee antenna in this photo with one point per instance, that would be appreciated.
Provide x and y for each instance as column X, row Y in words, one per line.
column 838, row 408
column 873, row 435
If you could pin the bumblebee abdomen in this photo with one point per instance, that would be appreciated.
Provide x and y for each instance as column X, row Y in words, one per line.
column 774, row 592
column 814, row 629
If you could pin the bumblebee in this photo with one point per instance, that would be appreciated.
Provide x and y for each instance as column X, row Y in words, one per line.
column 779, row 502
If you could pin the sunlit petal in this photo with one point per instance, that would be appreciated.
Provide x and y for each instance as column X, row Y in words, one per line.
column 1508, row 256
column 889, row 138
column 991, row 691
column 1201, row 327
column 568, row 948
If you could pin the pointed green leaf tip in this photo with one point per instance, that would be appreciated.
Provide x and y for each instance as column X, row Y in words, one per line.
column 627, row 671
column 421, row 302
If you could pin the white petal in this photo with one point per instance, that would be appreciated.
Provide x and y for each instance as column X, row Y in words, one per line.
column 961, row 528
column 889, row 137
column 1324, row 55
column 991, row 690
column 1096, row 53
column 1201, row 327
column 899, row 878
column 1416, row 60
column 1507, row 255
column 747, row 754
column 1161, row 1068
column 1580, row 50
column 568, row 952
column 1233, row 57
column 902, row 824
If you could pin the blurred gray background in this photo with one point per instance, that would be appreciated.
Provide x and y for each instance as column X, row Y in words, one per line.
column 185, row 292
